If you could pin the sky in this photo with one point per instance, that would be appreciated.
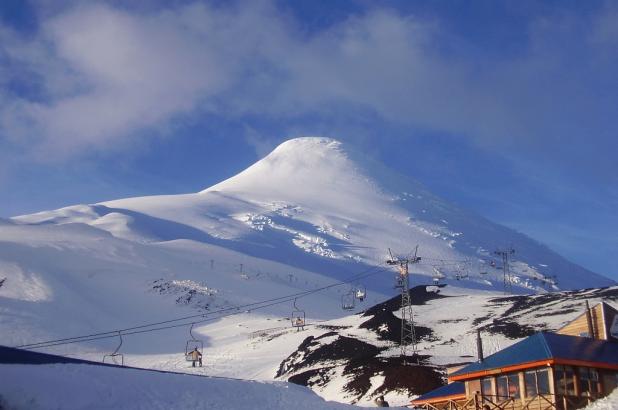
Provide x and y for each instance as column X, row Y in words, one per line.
column 505, row 108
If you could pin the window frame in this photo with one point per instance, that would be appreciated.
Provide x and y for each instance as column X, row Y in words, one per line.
column 535, row 374
column 563, row 383
column 511, row 379
column 589, row 381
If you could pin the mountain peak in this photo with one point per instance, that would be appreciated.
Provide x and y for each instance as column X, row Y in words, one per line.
column 309, row 142
column 309, row 151
column 309, row 164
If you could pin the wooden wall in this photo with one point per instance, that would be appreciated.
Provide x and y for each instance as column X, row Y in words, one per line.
column 579, row 326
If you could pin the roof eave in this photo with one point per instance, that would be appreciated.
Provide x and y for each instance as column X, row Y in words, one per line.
column 439, row 399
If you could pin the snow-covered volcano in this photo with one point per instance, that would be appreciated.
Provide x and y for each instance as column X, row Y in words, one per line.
column 229, row 265
column 319, row 205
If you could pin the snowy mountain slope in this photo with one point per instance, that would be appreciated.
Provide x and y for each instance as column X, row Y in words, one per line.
column 73, row 279
column 319, row 205
column 309, row 215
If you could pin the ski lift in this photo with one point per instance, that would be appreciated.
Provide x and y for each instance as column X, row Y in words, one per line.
column 347, row 301
column 114, row 358
column 298, row 317
column 192, row 345
column 360, row 292
column 437, row 276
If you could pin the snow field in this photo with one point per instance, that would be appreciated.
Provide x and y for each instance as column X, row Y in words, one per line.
column 77, row 386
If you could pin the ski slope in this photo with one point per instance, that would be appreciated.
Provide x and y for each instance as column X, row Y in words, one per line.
column 79, row 386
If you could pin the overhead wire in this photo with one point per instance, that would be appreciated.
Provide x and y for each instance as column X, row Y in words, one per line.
column 235, row 310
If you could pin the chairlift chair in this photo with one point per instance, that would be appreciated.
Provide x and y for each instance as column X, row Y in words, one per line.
column 192, row 344
column 298, row 317
column 360, row 293
column 398, row 282
column 347, row 301
column 115, row 358
column 437, row 276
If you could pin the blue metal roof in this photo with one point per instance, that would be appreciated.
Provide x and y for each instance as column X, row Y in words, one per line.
column 545, row 346
column 444, row 391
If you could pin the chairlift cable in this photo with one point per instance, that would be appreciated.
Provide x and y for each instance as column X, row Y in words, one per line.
column 128, row 331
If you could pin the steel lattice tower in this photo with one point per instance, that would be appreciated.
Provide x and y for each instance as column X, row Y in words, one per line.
column 505, row 255
column 408, row 333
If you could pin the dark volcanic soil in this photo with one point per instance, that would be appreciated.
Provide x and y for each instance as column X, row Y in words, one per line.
column 319, row 359
column 388, row 326
column 316, row 360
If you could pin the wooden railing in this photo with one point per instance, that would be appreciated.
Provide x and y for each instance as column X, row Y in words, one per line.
column 540, row 402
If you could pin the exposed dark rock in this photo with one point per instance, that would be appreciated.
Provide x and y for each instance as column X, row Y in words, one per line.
column 332, row 327
column 510, row 329
column 388, row 326
column 314, row 377
column 312, row 351
column 419, row 295
column 413, row 378
column 557, row 313
column 360, row 363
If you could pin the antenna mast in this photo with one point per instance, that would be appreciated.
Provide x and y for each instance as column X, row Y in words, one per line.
column 408, row 334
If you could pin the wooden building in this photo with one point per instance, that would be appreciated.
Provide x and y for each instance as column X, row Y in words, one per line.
column 600, row 322
column 563, row 370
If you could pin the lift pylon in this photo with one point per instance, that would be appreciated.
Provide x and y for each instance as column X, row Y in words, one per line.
column 408, row 333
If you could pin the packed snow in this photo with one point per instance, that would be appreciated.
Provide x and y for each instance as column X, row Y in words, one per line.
column 80, row 386
column 607, row 403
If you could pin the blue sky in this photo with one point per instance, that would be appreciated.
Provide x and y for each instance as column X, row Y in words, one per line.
column 505, row 108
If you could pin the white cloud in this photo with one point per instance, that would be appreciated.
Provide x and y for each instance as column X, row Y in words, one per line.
column 104, row 75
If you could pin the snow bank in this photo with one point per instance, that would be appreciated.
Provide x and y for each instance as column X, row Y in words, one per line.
column 608, row 403
column 82, row 386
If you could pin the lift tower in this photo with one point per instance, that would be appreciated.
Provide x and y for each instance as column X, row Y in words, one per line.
column 408, row 334
column 505, row 254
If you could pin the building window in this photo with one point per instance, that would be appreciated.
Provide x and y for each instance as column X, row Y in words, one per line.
column 565, row 380
column 536, row 382
column 530, row 382
column 514, row 385
column 508, row 386
column 588, row 381
column 486, row 389
column 542, row 380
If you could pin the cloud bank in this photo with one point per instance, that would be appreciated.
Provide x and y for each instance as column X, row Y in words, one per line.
column 96, row 76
